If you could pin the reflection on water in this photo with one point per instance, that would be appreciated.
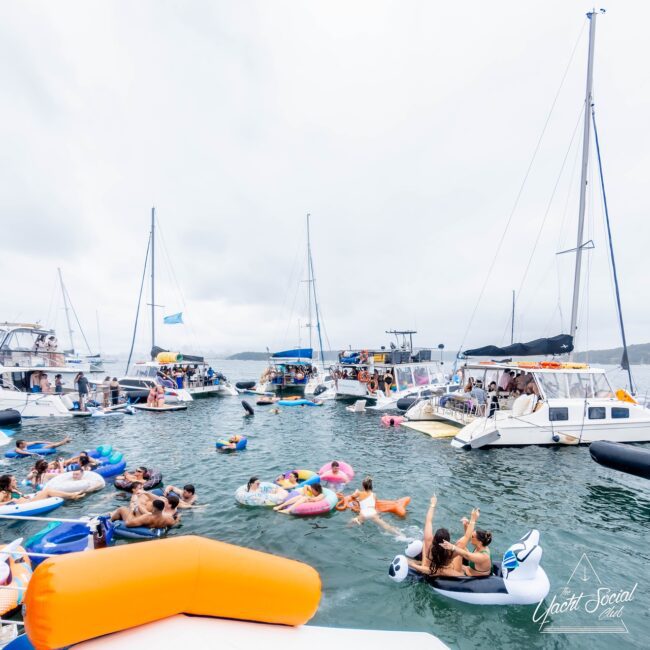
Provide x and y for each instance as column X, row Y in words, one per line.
column 577, row 505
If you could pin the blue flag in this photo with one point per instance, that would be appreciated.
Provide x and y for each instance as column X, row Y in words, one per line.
column 174, row 319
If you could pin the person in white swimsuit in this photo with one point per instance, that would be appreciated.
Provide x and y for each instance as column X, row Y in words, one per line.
column 367, row 510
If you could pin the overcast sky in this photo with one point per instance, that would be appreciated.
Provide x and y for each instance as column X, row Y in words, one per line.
column 405, row 129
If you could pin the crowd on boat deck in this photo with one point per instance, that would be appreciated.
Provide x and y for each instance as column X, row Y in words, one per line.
column 375, row 380
column 291, row 372
column 184, row 376
column 511, row 391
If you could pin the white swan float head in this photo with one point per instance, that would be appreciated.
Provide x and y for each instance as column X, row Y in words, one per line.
column 517, row 580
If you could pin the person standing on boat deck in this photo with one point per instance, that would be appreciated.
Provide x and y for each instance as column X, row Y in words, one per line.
column 81, row 382
column 115, row 391
column 35, row 381
column 106, row 391
column 45, row 383
column 478, row 394
column 504, row 380
column 58, row 384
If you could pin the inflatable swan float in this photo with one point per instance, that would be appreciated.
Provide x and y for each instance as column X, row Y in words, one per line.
column 518, row 580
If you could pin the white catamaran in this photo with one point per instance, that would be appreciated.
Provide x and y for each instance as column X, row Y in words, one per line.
column 513, row 403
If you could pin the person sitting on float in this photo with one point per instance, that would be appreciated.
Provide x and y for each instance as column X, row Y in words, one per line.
column 436, row 559
column 142, row 502
column 475, row 563
column 21, row 446
column 83, row 458
column 139, row 475
column 367, row 511
column 313, row 493
column 10, row 495
column 187, row 495
column 254, row 485
column 232, row 442
column 335, row 470
column 157, row 518
column 293, row 478
column 43, row 472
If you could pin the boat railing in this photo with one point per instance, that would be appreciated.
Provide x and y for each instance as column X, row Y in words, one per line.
column 454, row 407
column 32, row 358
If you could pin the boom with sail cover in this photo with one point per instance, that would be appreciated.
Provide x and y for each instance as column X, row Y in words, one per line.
column 561, row 344
column 299, row 353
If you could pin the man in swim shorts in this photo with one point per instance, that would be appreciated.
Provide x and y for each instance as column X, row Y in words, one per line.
column 157, row 518
column 21, row 446
column 187, row 495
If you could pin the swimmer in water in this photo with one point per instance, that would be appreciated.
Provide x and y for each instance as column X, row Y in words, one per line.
column 367, row 511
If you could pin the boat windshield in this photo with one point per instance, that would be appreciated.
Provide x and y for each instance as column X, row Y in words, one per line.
column 564, row 385
column 145, row 371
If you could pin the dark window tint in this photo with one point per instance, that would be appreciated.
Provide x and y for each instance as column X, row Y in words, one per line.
column 619, row 413
column 597, row 412
column 557, row 414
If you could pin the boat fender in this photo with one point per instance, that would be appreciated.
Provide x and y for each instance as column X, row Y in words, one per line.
column 247, row 407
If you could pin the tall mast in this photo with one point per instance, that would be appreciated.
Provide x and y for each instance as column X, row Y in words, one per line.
column 310, row 262
column 310, row 281
column 153, row 278
column 583, row 177
column 512, row 322
column 67, row 310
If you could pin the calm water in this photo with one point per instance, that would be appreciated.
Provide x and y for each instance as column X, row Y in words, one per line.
column 578, row 506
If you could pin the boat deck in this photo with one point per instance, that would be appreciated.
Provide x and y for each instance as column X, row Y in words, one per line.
column 432, row 428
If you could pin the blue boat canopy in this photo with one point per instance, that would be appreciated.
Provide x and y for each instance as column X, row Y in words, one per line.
column 300, row 353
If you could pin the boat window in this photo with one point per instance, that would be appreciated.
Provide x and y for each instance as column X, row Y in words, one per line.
column 404, row 378
column 553, row 384
column 597, row 412
column 619, row 413
column 580, row 385
column 421, row 375
column 602, row 387
column 20, row 341
column 558, row 414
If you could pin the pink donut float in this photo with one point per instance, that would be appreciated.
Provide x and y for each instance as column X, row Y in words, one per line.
column 392, row 420
column 346, row 470
column 322, row 507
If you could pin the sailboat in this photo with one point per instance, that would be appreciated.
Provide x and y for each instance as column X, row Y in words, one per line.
column 295, row 371
column 183, row 376
column 561, row 402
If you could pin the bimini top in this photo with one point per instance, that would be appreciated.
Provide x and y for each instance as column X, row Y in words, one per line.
column 298, row 353
column 561, row 344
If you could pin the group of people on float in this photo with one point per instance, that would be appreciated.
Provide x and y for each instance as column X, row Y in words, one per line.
column 145, row 509
column 154, row 510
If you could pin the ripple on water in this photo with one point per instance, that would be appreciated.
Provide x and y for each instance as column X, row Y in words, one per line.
column 577, row 505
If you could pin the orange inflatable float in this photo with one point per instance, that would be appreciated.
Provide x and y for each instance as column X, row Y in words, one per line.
column 396, row 507
column 81, row 596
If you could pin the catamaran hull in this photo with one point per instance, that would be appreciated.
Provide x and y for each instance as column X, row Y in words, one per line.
column 34, row 405
column 480, row 435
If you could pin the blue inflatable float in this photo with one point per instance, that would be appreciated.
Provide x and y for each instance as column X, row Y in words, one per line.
column 224, row 445
column 36, row 448
column 298, row 402
column 59, row 538
column 121, row 530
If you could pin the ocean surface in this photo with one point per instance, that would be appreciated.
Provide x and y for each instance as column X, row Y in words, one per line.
column 578, row 506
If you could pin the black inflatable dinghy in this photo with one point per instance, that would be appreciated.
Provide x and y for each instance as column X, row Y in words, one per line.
column 624, row 458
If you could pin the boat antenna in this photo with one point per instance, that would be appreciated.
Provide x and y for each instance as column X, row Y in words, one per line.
column 625, row 362
column 312, row 285
column 580, row 245
column 67, row 310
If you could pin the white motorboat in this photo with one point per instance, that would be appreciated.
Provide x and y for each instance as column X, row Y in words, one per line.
column 384, row 377
column 16, row 393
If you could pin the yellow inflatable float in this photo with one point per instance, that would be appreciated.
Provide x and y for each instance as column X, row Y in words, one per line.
column 82, row 596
